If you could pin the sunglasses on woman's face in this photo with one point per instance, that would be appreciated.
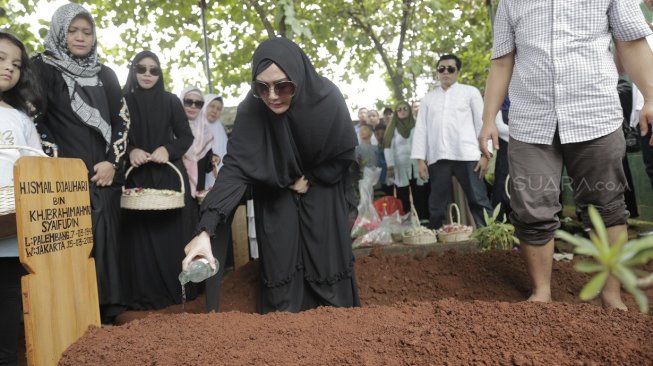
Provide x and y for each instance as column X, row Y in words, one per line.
column 449, row 69
column 402, row 109
column 282, row 89
column 193, row 103
column 142, row 69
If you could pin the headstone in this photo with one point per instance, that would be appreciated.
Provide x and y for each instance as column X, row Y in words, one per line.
column 55, row 238
column 239, row 237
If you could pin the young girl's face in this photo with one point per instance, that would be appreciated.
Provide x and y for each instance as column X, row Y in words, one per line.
column 10, row 65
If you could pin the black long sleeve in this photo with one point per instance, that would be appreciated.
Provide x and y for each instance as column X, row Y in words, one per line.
column 119, row 116
column 220, row 203
column 180, row 127
column 331, row 172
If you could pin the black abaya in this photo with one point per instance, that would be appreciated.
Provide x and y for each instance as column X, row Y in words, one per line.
column 75, row 139
column 304, row 243
column 153, row 241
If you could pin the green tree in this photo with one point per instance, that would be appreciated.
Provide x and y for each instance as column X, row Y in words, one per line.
column 404, row 37
column 15, row 19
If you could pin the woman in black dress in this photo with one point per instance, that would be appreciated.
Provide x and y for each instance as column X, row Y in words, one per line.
column 86, row 118
column 153, row 240
column 292, row 144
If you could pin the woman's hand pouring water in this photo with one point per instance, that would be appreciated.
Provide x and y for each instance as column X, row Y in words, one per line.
column 200, row 246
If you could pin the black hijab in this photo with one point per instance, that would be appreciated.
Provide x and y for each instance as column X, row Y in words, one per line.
column 277, row 149
column 149, row 109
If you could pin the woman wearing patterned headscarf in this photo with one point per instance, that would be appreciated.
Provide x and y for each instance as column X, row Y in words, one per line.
column 152, row 240
column 86, row 118
column 292, row 144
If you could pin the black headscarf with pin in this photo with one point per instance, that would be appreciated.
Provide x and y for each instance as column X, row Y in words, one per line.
column 277, row 149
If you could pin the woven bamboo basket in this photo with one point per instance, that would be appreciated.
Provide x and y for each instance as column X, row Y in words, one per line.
column 422, row 238
column 455, row 236
column 418, row 235
column 153, row 199
column 7, row 199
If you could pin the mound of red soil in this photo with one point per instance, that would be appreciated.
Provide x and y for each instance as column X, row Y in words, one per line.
column 450, row 309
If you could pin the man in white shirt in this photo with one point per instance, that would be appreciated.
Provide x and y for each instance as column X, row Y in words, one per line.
column 445, row 143
column 565, row 108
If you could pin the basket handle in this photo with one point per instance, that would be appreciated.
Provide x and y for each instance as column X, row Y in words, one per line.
column 454, row 206
column 181, row 177
column 20, row 147
column 507, row 186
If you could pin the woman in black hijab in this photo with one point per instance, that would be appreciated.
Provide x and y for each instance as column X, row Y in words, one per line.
column 152, row 240
column 85, row 117
column 292, row 143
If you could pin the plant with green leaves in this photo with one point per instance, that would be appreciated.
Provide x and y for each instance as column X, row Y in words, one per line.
column 621, row 260
column 497, row 234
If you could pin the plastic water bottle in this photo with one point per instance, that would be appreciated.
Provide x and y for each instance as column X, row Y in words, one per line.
column 198, row 271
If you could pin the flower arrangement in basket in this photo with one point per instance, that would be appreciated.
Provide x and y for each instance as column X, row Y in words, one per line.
column 418, row 234
column 454, row 232
column 150, row 198
column 7, row 199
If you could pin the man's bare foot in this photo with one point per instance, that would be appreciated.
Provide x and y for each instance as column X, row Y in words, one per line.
column 613, row 303
column 540, row 298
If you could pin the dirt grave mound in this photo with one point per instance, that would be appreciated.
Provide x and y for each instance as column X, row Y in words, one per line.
column 453, row 308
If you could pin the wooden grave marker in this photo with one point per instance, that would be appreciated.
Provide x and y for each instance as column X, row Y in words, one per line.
column 55, row 238
column 239, row 237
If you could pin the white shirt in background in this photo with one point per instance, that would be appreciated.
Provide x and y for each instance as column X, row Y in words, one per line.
column 219, row 148
column 397, row 156
column 448, row 124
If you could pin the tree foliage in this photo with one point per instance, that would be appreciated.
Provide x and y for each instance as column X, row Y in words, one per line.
column 403, row 37
column 15, row 19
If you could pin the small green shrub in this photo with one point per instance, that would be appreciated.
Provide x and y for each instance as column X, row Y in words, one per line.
column 496, row 235
column 619, row 260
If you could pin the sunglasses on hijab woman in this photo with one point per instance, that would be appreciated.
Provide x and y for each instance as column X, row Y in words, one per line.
column 142, row 69
column 282, row 89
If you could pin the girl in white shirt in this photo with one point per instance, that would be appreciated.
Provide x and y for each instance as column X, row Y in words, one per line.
column 18, row 98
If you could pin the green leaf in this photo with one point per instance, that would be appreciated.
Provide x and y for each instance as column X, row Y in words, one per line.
column 617, row 246
column 589, row 267
column 640, row 298
column 582, row 245
column 495, row 214
column 602, row 247
column 636, row 246
column 594, row 286
column 638, row 259
column 597, row 222
column 487, row 218
column 625, row 276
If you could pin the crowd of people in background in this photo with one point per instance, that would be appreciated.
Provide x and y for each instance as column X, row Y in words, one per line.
column 293, row 152
column 421, row 146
